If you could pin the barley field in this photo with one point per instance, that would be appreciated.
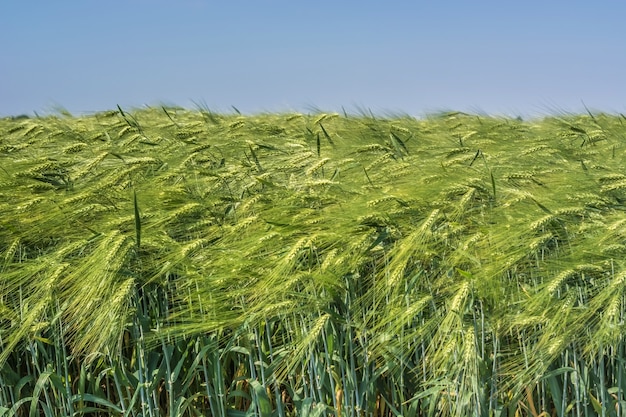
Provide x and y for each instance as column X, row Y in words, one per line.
column 177, row 262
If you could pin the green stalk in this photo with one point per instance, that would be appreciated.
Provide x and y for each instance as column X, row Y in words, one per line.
column 137, row 220
column 168, row 368
column 60, row 349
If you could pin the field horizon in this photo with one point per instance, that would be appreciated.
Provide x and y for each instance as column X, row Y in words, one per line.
column 168, row 261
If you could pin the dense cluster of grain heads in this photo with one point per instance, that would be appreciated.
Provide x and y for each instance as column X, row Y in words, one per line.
column 174, row 262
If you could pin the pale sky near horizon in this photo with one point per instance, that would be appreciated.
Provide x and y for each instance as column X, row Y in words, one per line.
column 415, row 57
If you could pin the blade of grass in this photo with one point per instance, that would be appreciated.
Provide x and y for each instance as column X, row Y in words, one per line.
column 137, row 220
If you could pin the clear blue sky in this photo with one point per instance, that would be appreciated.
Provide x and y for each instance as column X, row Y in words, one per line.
column 498, row 57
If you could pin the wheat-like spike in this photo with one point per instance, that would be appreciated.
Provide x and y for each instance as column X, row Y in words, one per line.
column 194, row 125
column 408, row 315
column 530, row 321
column 430, row 220
column 19, row 146
column 102, row 136
column 457, row 151
column 91, row 164
column 244, row 223
column 450, row 193
column 373, row 147
column 460, row 298
column 519, row 196
column 300, row 159
column 188, row 133
column 41, row 187
column 559, row 280
column 614, row 187
column 107, row 114
column 303, row 346
column 53, row 278
column 378, row 161
column 589, row 268
column 77, row 147
column 535, row 149
column 448, row 353
column 91, row 209
column 589, row 199
column 469, row 346
column 143, row 160
column 236, row 125
column 612, row 177
column 31, row 325
column 385, row 199
column 184, row 210
column 116, row 245
column 616, row 248
column 618, row 225
column 540, row 242
column 396, row 171
column 192, row 247
column 125, row 144
column 264, row 178
column 464, row 201
column 123, row 131
column 596, row 136
column 613, row 309
column 463, row 159
column 269, row 236
column 97, row 332
column 117, row 178
column 325, row 116
column 294, row 116
column 478, row 184
column 77, row 198
column 429, row 179
column 38, row 169
column 317, row 183
column 372, row 219
column 316, row 166
column 201, row 148
column 121, row 297
column 346, row 161
column 11, row 251
column 409, row 246
column 543, row 221
column 568, row 302
column 18, row 127
column 557, row 342
column 189, row 160
column 519, row 176
column 252, row 201
column 472, row 240
column 29, row 204
column 31, row 129
column 468, row 135
column 329, row 258
column 400, row 129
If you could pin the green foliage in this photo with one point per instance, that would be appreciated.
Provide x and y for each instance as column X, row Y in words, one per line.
column 174, row 262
